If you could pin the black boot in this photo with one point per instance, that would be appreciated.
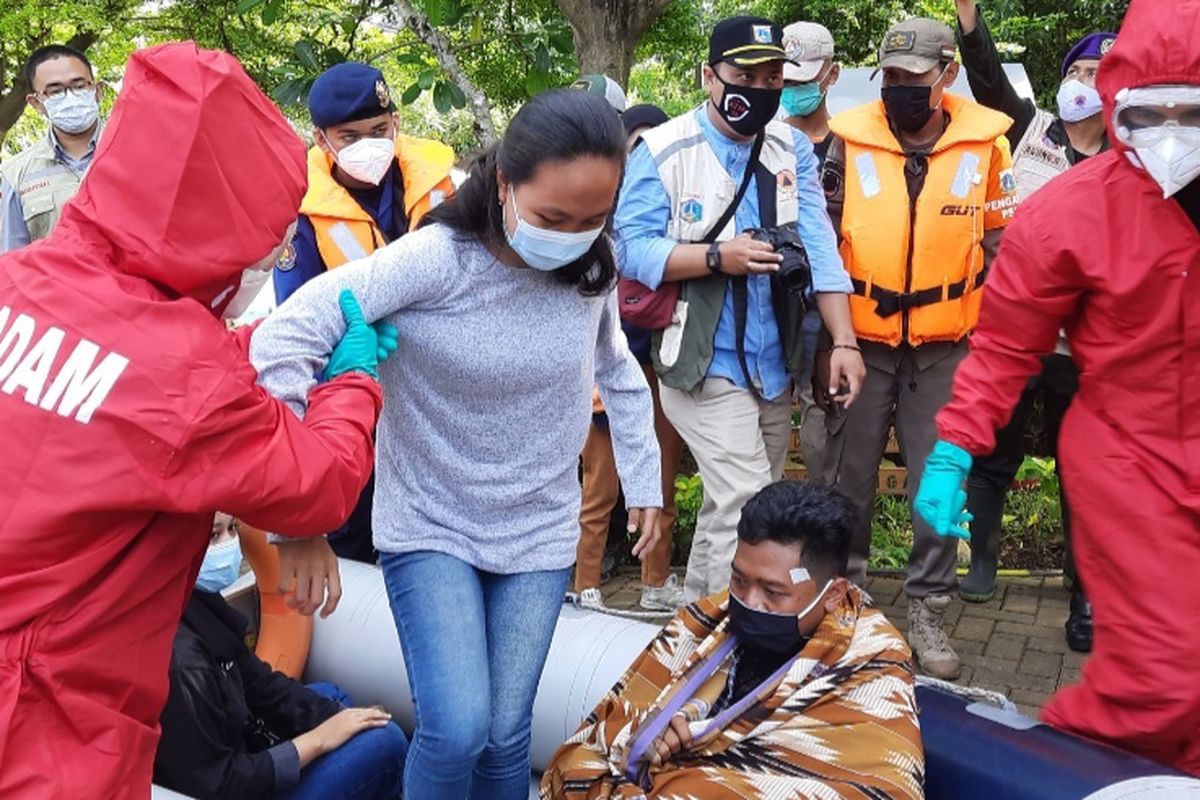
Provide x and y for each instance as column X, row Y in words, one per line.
column 1079, row 624
column 986, row 487
column 979, row 585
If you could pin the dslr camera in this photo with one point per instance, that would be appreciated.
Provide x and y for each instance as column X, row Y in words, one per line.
column 795, row 271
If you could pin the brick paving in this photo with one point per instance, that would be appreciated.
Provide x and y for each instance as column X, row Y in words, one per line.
column 1013, row 643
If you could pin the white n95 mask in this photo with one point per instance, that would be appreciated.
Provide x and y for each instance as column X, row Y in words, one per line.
column 1167, row 148
column 252, row 284
column 1077, row 101
column 1173, row 159
column 367, row 160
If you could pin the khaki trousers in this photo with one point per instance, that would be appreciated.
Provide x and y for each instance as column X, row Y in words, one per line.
column 740, row 445
column 602, row 487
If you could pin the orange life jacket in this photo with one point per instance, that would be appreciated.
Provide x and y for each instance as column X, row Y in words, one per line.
column 345, row 231
column 918, row 268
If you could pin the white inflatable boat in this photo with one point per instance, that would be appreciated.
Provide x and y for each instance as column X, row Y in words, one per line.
column 974, row 750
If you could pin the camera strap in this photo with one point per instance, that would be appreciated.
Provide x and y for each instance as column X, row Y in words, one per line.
column 739, row 284
column 723, row 220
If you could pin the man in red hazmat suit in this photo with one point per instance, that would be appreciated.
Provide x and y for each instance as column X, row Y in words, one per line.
column 1121, row 273
column 130, row 415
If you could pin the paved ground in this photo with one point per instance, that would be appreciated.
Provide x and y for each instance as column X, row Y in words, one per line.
column 1013, row 643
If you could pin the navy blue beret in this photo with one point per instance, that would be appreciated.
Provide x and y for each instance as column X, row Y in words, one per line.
column 348, row 92
column 1094, row 45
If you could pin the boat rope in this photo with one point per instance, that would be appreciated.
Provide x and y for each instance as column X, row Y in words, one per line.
column 592, row 600
column 969, row 692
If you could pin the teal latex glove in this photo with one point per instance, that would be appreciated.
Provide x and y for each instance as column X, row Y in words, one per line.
column 387, row 339
column 363, row 347
column 940, row 498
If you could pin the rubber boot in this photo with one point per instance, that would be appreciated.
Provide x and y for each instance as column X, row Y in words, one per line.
column 979, row 585
column 1079, row 624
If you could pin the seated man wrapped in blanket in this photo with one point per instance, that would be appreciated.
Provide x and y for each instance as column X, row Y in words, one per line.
column 788, row 685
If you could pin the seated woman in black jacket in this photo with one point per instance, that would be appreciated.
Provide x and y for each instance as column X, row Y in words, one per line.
column 233, row 728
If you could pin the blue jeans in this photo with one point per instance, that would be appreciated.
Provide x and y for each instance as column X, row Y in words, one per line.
column 474, row 646
column 368, row 767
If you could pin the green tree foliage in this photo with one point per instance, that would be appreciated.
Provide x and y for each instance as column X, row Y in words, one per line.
column 1037, row 33
column 508, row 49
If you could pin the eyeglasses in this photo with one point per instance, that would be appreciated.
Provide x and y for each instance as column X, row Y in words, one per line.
column 77, row 88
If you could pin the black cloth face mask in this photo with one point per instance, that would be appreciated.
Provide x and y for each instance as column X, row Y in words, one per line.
column 764, row 631
column 908, row 106
column 747, row 109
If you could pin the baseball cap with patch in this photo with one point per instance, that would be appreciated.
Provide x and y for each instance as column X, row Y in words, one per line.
column 603, row 86
column 808, row 46
column 916, row 45
column 746, row 41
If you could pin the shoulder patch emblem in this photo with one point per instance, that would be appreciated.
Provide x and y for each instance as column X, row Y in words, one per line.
column 1008, row 181
column 287, row 260
column 691, row 211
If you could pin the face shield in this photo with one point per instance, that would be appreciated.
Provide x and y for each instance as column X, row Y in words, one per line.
column 1161, row 124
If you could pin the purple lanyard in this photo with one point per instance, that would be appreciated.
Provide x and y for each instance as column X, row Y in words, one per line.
column 656, row 726
column 749, row 699
column 650, row 732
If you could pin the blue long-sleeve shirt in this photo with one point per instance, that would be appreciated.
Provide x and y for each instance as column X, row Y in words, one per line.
column 641, row 221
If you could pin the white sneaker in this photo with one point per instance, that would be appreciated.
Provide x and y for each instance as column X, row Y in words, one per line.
column 668, row 597
column 592, row 599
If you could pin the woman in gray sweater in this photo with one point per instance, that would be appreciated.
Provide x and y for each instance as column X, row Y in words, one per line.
column 507, row 315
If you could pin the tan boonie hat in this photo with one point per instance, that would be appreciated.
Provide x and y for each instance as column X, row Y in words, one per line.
column 808, row 47
column 916, row 45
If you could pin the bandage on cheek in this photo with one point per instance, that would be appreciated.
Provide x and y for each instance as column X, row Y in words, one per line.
column 800, row 575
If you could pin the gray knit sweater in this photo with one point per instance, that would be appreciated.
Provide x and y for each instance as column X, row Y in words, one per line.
column 487, row 402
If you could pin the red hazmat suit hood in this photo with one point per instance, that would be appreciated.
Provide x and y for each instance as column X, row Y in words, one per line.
column 1159, row 43
column 196, row 177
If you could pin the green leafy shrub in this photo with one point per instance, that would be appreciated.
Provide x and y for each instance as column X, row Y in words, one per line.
column 689, row 494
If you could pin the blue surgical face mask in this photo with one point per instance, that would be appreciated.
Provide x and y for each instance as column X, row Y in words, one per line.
column 802, row 100
column 221, row 566
column 547, row 250
column 74, row 111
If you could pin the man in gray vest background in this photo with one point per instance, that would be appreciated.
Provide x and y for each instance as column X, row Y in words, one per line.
column 807, row 79
column 1045, row 145
column 36, row 183
column 735, row 345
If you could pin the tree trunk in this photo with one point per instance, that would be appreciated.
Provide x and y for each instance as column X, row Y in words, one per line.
column 481, row 109
column 607, row 33
column 12, row 100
